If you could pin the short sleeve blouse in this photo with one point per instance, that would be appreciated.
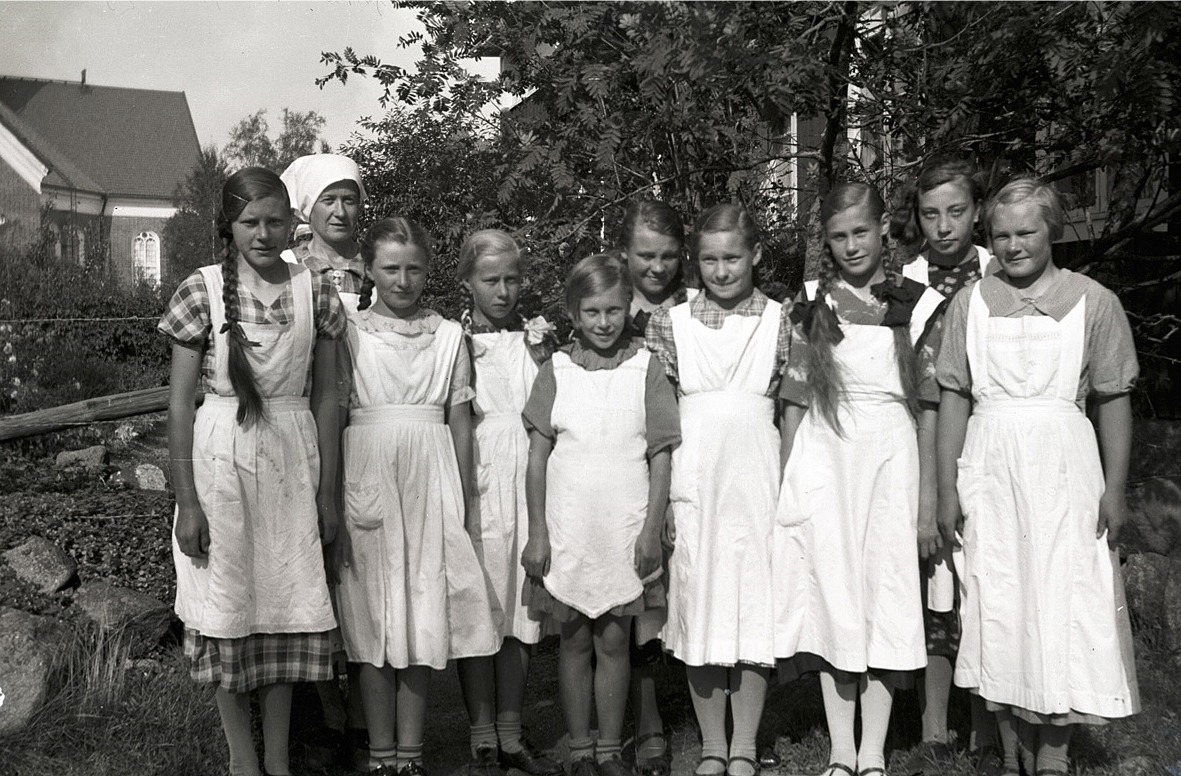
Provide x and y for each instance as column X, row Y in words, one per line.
column 1110, row 367
column 662, row 418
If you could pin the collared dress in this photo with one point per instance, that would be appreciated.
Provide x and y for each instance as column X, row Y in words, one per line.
column 347, row 278
column 414, row 593
column 605, row 414
column 845, row 561
column 1045, row 625
column 726, row 365
column 257, row 609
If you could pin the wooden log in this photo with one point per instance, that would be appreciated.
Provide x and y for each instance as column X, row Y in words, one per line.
column 113, row 407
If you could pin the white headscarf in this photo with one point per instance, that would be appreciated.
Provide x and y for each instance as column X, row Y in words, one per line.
column 308, row 176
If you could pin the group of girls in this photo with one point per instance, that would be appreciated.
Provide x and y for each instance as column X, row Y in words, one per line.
column 742, row 482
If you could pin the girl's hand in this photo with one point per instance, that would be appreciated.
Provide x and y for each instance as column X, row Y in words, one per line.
column 1113, row 513
column 930, row 541
column 192, row 531
column 329, row 517
column 669, row 537
column 648, row 555
column 951, row 519
column 536, row 558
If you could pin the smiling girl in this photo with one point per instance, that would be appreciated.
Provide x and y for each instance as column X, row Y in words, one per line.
column 602, row 422
column 724, row 351
column 1023, row 479
column 412, row 595
column 253, row 467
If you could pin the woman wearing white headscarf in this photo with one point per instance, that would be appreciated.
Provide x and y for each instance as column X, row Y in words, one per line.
column 327, row 193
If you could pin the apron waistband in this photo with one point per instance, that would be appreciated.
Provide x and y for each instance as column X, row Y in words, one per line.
column 405, row 413
column 500, row 417
column 729, row 402
column 270, row 404
column 1026, row 407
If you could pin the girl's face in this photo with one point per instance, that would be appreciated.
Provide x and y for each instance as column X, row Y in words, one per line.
column 652, row 261
column 727, row 266
column 334, row 214
column 260, row 231
column 495, row 285
column 947, row 216
column 399, row 274
column 1021, row 240
column 601, row 318
column 854, row 236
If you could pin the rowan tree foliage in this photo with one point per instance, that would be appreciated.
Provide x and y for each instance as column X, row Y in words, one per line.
column 250, row 142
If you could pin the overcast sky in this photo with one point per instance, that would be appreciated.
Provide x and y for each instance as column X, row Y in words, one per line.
column 230, row 58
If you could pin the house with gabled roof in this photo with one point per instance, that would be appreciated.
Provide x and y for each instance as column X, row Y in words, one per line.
column 99, row 164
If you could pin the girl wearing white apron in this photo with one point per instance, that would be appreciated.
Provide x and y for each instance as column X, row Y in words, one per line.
column 253, row 467
column 506, row 351
column 724, row 351
column 602, row 422
column 940, row 213
column 847, row 577
column 411, row 593
column 1046, row 639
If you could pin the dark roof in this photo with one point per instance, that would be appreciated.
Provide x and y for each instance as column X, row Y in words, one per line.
column 129, row 142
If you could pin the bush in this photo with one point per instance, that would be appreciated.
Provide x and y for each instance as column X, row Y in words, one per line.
column 69, row 333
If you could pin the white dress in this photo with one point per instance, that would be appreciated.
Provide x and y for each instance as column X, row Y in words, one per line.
column 724, row 478
column 504, row 373
column 846, row 561
column 596, row 492
column 1045, row 627
column 414, row 593
column 257, row 486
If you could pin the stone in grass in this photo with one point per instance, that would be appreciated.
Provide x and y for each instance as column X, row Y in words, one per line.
column 28, row 644
column 141, row 619
column 1139, row 766
column 148, row 476
column 42, row 563
column 93, row 458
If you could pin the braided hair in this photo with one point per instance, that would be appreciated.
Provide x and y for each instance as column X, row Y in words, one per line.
column 391, row 229
column 242, row 188
column 825, row 382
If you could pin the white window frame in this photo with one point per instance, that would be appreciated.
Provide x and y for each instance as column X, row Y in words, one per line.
column 146, row 257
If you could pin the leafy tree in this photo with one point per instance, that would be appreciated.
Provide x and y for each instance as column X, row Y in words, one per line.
column 190, row 236
column 251, row 144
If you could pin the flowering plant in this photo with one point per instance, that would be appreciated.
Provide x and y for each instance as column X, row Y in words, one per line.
column 537, row 329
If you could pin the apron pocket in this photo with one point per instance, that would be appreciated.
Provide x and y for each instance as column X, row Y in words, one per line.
column 362, row 506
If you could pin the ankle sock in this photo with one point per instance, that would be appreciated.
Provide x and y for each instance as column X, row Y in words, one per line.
column 380, row 757
column 483, row 736
column 711, row 747
column 508, row 732
column 408, row 754
column 582, row 749
column 747, row 750
column 606, row 748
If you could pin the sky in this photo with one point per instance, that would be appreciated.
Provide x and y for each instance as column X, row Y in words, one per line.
column 229, row 58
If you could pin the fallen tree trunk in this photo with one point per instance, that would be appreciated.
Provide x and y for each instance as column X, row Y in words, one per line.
column 113, row 407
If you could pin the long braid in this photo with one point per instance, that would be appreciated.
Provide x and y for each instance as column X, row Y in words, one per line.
column 366, row 293
column 825, row 382
column 250, row 404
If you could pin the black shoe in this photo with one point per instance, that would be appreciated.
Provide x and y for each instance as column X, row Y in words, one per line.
column 613, row 766
column 584, row 766
column 412, row 768
column 769, row 760
column 530, row 761
column 484, row 762
column 657, row 765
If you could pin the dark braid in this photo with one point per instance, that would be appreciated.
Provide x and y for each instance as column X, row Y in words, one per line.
column 825, row 382
column 242, row 188
column 366, row 293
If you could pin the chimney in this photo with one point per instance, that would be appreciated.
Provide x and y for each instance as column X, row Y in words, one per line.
column 83, row 76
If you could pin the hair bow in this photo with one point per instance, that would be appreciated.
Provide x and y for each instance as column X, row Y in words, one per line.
column 235, row 330
column 900, row 299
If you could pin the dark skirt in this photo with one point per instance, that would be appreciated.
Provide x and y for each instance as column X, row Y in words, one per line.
column 247, row 663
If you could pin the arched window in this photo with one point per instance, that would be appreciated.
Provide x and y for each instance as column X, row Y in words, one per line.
column 147, row 257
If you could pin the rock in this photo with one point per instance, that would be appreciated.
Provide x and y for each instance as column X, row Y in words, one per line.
column 142, row 619
column 148, row 476
column 1154, row 517
column 40, row 562
column 1152, row 584
column 27, row 646
column 1139, row 766
column 93, row 458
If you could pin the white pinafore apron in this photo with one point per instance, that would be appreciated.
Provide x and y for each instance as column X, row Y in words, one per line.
column 504, row 374
column 846, row 566
column 257, row 485
column 1045, row 627
column 415, row 593
column 724, row 478
column 596, row 485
